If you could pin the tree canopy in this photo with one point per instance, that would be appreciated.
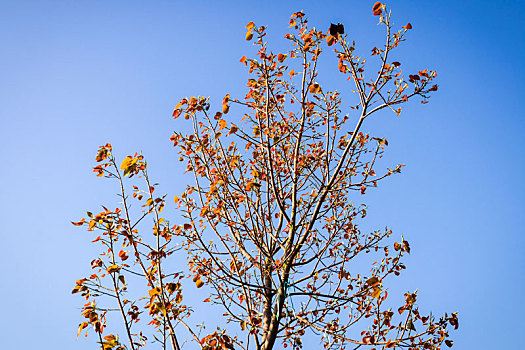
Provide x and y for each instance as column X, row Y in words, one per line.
column 270, row 225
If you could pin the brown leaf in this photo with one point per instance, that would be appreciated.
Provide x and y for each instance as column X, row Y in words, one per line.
column 372, row 280
column 336, row 29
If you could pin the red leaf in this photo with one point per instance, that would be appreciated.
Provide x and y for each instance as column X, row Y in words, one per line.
column 123, row 255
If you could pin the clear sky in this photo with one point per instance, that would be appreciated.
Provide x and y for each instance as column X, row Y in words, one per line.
column 77, row 74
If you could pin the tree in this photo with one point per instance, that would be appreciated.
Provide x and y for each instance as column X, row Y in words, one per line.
column 271, row 225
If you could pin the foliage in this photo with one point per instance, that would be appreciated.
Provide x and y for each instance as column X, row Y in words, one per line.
column 270, row 224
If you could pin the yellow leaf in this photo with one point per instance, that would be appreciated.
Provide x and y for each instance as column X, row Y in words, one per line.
column 222, row 124
column 154, row 291
column 176, row 199
column 81, row 327
column 250, row 25
column 182, row 102
column 376, row 292
column 249, row 35
column 113, row 268
column 125, row 163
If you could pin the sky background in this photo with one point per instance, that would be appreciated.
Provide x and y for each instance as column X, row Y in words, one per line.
column 77, row 74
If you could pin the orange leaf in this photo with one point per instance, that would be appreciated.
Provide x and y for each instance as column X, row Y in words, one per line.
column 181, row 103
column 377, row 8
column 78, row 223
column 154, row 291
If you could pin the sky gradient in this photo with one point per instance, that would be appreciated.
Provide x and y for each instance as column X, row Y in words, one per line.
column 76, row 75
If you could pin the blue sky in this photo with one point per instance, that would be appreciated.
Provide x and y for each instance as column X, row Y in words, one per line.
column 75, row 75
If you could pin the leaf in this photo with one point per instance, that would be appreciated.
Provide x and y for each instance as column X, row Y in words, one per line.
column 249, row 35
column 406, row 247
column 408, row 26
column 128, row 162
column 376, row 292
column 199, row 283
column 250, row 25
column 187, row 226
column 222, row 124
column 123, row 255
column 153, row 292
column 233, row 129
column 178, row 298
column 372, row 281
column 172, row 287
column 225, row 107
column 181, row 103
column 390, row 344
column 79, row 223
column 102, row 154
column 251, row 185
column 449, row 343
column 336, row 29
column 377, row 8
column 96, row 263
column 330, row 40
column 113, row 268
column 81, row 327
